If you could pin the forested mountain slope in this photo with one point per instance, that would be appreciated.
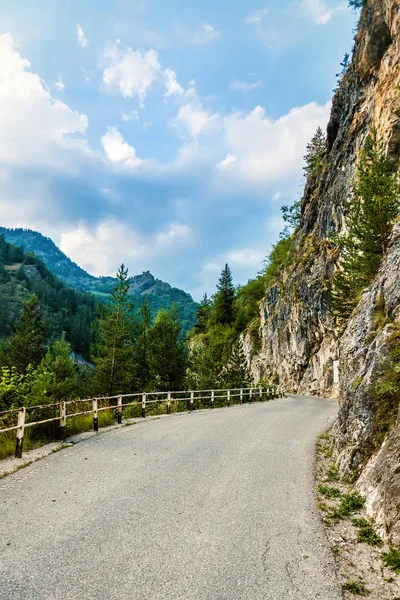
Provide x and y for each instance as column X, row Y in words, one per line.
column 65, row 309
column 160, row 294
column 299, row 336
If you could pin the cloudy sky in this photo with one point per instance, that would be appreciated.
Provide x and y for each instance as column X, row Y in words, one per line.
column 162, row 133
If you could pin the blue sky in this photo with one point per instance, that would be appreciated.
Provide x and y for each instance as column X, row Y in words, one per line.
column 163, row 134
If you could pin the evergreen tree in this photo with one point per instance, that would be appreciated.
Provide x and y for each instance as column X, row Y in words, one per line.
column 315, row 152
column 60, row 369
column 292, row 216
column 202, row 315
column 236, row 374
column 345, row 65
column 28, row 342
column 223, row 309
column 113, row 352
column 370, row 218
column 167, row 354
column 142, row 347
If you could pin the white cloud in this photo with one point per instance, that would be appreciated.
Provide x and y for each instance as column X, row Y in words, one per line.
column 59, row 85
column 131, row 116
column 318, row 12
column 80, row 34
column 256, row 17
column 205, row 34
column 34, row 126
column 176, row 233
column 228, row 161
column 172, row 85
column 130, row 72
column 100, row 249
column 118, row 150
column 243, row 86
column 245, row 257
column 267, row 150
column 147, row 125
column 194, row 118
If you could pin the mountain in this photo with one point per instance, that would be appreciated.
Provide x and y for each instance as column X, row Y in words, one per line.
column 66, row 310
column 297, row 337
column 160, row 294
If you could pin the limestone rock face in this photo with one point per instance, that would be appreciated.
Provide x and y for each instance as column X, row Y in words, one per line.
column 296, row 338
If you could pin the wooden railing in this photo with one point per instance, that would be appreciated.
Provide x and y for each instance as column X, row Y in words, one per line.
column 68, row 409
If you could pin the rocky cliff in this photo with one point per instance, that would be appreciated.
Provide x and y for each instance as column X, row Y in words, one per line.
column 297, row 338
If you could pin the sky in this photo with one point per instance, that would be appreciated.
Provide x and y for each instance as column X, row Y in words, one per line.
column 163, row 134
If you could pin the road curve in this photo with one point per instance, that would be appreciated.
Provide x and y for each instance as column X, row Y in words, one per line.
column 214, row 505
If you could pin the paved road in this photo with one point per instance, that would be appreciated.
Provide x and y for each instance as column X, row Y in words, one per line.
column 214, row 505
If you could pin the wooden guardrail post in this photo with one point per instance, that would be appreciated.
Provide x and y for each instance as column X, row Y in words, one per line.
column 228, row 399
column 250, row 395
column 63, row 420
column 119, row 414
column 169, row 403
column 241, row 396
column 95, row 414
column 20, row 432
column 144, row 405
column 260, row 392
column 212, row 398
column 191, row 401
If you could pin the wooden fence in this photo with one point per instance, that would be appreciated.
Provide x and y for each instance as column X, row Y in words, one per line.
column 20, row 419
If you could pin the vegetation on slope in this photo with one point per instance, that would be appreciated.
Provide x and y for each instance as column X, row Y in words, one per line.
column 159, row 294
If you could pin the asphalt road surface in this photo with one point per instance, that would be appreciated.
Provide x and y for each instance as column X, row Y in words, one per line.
column 214, row 505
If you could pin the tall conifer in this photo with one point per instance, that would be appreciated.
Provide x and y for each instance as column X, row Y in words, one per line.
column 28, row 342
column 113, row 352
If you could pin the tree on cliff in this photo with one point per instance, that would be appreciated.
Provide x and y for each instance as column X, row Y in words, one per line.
column 315, row 152
column 224, row 313
column 371, row 214
column 113, row 350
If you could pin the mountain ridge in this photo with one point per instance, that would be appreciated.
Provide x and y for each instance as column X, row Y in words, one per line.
column 160, row 294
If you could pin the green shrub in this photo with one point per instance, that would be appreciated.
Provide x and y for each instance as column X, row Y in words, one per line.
column 329, row 492
column 392, row 559
column 350, row 504
column 355, row 587
column 366, row 532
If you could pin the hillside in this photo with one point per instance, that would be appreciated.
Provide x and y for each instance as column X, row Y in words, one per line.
column 160, row 294
column 297, row 335
column 22, row 275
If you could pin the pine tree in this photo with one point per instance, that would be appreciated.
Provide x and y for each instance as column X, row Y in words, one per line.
column 167, row 354
column 142, row 347
column 236, row 373
column 60, row 369
column 224, row 313
column 315, row 152
column 202, row 315
column 28, row 342
column 113, row 352
column 345, row 65
column 371, row 214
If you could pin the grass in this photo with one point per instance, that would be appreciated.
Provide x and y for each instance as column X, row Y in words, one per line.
column 332, row 472
column 350, row 503
column 366, row 532
column 391, row 559
column 325, row 445
column 328, row 491
column 355, row 587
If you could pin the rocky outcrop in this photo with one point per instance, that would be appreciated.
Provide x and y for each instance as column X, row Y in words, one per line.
column 295, row 338
column 363, row 353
